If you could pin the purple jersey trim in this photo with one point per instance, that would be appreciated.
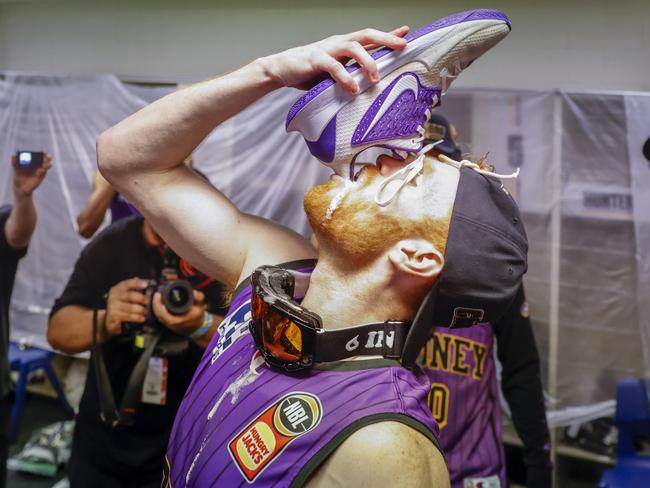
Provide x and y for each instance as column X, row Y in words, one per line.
column 481, row 14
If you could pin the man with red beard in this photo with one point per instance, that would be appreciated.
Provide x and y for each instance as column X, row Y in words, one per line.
column 332, row 406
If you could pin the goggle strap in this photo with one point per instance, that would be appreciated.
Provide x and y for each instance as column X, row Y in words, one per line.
column 376, row 339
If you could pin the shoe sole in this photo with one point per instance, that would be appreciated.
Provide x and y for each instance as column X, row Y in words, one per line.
column 331, row 96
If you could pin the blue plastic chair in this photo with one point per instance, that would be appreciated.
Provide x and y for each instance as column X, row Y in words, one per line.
column 25, row 361
column 633, row 421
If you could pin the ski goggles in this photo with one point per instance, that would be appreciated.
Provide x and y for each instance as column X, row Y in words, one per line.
column 292, row 338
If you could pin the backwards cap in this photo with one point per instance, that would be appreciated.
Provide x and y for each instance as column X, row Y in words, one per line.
column 485, row 259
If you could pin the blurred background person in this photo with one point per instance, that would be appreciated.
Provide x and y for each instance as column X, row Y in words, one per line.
column 17, row 223
column 110, row 279
column 465, row 392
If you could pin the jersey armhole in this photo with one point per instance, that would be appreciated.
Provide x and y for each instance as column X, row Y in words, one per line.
column 317, row 459
column 300, row 264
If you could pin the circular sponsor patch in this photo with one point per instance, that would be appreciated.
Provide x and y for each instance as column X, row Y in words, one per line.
column 297, row 413
column 268, row 434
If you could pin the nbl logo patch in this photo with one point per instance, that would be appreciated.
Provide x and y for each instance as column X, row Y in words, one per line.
column 263, row 439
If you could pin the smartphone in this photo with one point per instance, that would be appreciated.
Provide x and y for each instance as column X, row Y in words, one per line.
column 29, row 159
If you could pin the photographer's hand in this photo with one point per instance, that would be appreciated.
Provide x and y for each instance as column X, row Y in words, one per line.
column 26, row 181
column 126, row 303
column 187, row 323
column 22, row 219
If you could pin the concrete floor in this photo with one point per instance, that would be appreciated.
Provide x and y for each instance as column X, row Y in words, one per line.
column 39, row 411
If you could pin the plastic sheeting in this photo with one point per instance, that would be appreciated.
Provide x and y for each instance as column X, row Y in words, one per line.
column 583, row 191
column 637, row 111
column 250, row 157
column 260, row 167
column 63, row 116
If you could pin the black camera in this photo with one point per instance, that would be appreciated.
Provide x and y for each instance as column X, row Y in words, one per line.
column 28, row 160
column 177, row 295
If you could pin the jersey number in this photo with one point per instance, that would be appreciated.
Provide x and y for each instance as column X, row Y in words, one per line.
column 439, row 403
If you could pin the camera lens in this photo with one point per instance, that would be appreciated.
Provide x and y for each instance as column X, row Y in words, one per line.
column 177, row 296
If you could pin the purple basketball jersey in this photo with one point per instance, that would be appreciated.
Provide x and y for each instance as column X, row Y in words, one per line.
column 242, row 422
column 464, row 400
column 121, row 208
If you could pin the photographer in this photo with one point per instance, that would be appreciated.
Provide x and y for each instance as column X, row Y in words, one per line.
column 110, row 279
column 17, row 224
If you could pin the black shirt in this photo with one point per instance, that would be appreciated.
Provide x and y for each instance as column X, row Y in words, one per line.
column 116, row 254
column 521, row 384
column 9, row 258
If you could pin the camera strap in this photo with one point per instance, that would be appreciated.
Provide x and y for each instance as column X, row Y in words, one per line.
column 109, row 413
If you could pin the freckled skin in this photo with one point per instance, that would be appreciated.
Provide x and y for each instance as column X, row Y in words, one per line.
column 387, row 454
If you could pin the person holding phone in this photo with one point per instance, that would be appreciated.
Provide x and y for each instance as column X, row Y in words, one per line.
column 17, row 223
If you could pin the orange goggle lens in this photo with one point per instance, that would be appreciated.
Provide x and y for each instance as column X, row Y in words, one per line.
column 281, row 337
column 259, row 308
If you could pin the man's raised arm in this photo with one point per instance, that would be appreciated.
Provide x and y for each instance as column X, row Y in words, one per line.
column 142, row 155
column 22, row 220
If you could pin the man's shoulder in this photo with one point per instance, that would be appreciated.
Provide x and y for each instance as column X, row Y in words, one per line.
column 385, row 454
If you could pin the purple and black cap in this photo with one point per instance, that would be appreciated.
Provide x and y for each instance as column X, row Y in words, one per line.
column 485, row 260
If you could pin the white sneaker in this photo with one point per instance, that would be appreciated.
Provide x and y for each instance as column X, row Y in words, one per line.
column 338, row 126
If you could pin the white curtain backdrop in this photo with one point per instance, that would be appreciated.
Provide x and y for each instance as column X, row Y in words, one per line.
column 583, row 191
column 251, row 158
column 637, row 110
column 63, row 116
column 260, row 167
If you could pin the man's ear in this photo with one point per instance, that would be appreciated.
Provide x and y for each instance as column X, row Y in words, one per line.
column 418, row 258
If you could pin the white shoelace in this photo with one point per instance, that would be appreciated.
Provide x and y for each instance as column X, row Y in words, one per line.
column 409, row 172
column 459, row 164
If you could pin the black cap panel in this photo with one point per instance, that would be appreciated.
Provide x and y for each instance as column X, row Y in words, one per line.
column 487, row 247
column 485, row 260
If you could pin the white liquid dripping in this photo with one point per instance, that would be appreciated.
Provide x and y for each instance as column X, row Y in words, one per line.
column 246, row 378
column 337, row 200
